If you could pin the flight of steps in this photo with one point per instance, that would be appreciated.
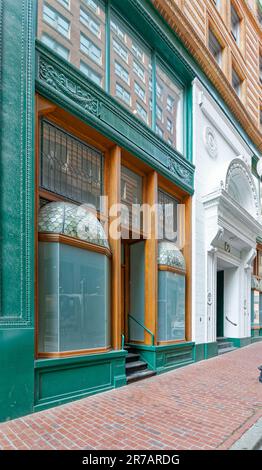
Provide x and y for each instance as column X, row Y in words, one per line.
column 136, row 369
column 225, row 346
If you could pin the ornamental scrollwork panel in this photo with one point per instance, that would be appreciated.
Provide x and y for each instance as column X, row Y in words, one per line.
column 61, row 83
column 177, row 169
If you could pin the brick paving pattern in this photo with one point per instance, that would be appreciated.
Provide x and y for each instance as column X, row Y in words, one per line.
column 207, row 405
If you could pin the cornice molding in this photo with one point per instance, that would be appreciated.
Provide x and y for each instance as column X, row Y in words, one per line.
column 182, row 27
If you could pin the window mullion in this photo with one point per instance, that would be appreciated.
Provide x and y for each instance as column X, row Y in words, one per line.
column 154, row 91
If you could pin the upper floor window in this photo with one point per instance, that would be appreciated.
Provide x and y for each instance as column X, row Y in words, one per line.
column 90, row 48
column 139, row 71
column 56, row 20
column 215, row 47
column 236, row 82
column 259, row 11
column 93, row 5
column 123, row 94
column 140, row 92
column 56, row 46
column 141, row 111
column 90, row 73
column 65, row 3
column 169, row 108
column 235, row 24
column 260, row 66
column 69, row 167
column 118, row 31
column 217, row 4
column 93, row 25
column 134, row 68
column 138, row 52
column 121, row 72
column 120, row 50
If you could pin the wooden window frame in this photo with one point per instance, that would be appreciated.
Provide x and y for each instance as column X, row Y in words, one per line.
column 44, row 108
column 182, row 198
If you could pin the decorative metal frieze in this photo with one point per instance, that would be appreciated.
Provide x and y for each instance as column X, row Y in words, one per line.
column 74, row 91
column 177, row 169
column 210, row 142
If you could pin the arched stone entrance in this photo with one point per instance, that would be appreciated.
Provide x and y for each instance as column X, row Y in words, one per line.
column 232, row 225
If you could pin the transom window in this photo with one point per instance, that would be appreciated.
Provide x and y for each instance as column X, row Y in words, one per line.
column 69, row 167
column 56, row 20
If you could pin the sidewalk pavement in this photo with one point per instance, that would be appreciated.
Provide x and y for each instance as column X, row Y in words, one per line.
column 207, row 405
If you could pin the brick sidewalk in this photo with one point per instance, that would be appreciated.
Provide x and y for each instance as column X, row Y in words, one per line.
column 207, row 405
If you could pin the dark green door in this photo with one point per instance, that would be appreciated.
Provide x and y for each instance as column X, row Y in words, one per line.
column 220, row 303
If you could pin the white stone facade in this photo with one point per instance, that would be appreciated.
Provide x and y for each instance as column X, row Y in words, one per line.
column 225, row 222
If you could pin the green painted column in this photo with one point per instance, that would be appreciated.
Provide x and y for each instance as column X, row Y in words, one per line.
column 16, row 208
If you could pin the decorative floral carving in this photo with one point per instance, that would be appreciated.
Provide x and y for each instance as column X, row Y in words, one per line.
column 176, row 168
column 256, row 283
column 210, row 142
column 61, row 83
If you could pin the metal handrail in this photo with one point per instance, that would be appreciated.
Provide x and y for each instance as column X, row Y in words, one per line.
column 230, row 321
column 145, row 328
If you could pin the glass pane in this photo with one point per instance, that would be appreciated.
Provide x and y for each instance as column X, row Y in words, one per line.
column 167, row 216
column 131, row 198
column 215, row 47
column 74, row 288
column 48, row 297
column 256, row 307
column 77, row 34
column 171, row 306
column 69, row 167
column 169, row 109
column 131, row 70
column 137, row 291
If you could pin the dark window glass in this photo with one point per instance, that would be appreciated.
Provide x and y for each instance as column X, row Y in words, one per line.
column 167, row 220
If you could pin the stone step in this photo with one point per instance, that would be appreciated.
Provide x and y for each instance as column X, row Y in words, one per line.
column 140, row 375
column 135, row 366
column 226, row 344
column 132, row 357
column 226, row 350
